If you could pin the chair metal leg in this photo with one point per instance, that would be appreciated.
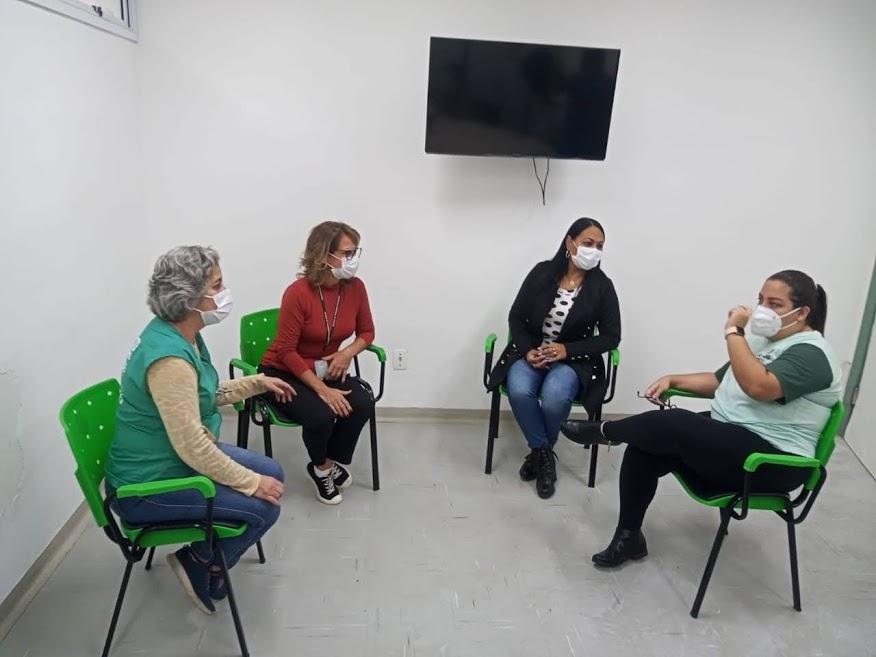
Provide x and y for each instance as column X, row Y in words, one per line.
column 261, row 551
column 149, row 558
column 710, row 564
column 593, row 454
column 243, row 426
column 232, row 602
column 375, row 468
column 492, row 431
column 792, row 549
column 121, row 597
column 266, row 431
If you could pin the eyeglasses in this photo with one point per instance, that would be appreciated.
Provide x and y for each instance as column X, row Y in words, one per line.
column 349, row 253
column 662, row 403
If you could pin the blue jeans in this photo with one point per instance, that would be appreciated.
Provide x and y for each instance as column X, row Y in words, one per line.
column 229, row 504
column 557, row 387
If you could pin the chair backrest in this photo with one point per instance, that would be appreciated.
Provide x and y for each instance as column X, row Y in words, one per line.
column 89, row 420
column 257, row 331
column 827, row 441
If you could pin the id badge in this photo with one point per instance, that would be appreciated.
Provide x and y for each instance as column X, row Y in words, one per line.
column 321, row 368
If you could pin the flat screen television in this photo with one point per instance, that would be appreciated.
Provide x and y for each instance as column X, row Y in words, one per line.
column 519, row 99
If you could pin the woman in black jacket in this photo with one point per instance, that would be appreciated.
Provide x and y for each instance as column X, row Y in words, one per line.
column 554, row 357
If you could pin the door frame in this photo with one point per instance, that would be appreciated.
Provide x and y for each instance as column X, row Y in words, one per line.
column 856, row 371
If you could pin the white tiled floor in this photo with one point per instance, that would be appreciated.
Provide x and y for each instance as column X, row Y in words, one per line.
column 447, row 562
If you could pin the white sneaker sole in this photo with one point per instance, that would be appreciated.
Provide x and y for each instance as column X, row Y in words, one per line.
column 183, row 578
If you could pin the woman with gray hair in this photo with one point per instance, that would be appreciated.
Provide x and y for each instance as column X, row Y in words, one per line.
column 168, row 423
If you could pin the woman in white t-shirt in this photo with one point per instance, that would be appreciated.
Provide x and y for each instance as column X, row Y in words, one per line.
column 774, row 395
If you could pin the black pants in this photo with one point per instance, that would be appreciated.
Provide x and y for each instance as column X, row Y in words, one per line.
column 326, row 435
column 708, row 451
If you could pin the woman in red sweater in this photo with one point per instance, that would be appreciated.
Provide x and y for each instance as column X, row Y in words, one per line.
column 324, row 307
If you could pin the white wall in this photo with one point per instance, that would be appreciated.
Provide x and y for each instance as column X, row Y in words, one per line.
column 70, row 270
column 741, row 143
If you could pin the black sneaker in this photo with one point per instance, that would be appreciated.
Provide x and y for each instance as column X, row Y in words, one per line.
column 194, row 577
column 546, row 473
column 218, row 589
column 528, row 470
column 341, row 475
column 625, row 544
column 326, row 491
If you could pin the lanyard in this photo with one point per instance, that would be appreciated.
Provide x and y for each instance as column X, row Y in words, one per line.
column 329, row 330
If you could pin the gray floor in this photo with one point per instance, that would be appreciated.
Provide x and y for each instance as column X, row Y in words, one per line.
column 446, row 561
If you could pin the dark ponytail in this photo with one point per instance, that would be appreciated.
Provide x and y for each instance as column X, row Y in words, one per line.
column 818, row 315
column 805, row 292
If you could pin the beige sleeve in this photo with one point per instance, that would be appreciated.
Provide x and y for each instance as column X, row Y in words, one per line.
column 235, row 390
column 173, row 384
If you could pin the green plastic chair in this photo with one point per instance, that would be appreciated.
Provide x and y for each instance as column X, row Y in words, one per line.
column 496, row 399
column 89, row 420
column 736, row 504
column 257, row 332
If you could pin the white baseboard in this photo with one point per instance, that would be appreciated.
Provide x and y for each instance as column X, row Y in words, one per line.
column 413, row 414
column 38, row 574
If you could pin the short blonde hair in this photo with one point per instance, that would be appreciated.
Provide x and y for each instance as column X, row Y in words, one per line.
column 323, row 239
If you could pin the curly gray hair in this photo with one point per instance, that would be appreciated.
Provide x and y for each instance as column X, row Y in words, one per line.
column 179, row 280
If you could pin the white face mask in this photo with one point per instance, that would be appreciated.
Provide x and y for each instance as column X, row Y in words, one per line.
column 224, row 305
column 766, row 322
column 348, row 268
column 586, row 257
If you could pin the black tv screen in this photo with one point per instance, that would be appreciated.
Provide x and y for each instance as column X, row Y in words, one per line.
column 519, row 99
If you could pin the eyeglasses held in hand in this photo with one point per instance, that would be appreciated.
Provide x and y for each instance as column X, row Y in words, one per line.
column 662, row 403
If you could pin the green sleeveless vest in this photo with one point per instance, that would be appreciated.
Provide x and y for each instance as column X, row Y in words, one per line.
column 140, row 450
column 792, row 427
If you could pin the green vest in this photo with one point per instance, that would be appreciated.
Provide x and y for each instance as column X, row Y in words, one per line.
column 795, row 426
column 140, row 450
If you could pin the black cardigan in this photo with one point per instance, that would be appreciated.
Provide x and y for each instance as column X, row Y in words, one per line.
column 596, row 306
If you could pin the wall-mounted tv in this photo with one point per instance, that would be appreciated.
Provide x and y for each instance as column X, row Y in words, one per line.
column 519, row 99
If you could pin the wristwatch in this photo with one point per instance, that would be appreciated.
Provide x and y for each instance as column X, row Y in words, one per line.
column 734, row 330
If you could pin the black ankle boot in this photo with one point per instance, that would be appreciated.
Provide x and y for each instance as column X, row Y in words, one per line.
column 528, row 470
column 626, row 544
column 545, row 472
column 585, row 432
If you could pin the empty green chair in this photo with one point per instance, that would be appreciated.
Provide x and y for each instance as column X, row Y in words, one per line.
column 736, row 504
column 89, row 420
column 257, row 332
column 613, row 362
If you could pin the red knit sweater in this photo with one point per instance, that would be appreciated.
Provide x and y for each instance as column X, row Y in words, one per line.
column 301, row 331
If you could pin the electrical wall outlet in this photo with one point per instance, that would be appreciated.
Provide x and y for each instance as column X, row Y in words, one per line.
column 399, row 359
